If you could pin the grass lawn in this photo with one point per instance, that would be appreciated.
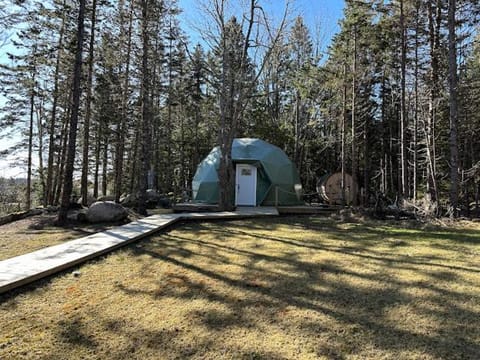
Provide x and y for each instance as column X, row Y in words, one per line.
column 30, row 234
column 34, row 233
column 281, row 288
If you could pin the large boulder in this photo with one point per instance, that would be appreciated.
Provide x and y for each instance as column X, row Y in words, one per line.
column 155, row 199
column 165, row 202
column 152, row 195
column 106, row 211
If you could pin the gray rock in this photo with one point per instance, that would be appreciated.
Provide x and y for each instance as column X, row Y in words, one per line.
column 51, row 209
column 72, row 215
column 90, row 200
column 152, row 195
column 156, row 199
column 128, row 200
column 106, row 198
column 165, row 202
column 106, row 211
column 152, row 198
column 82, row 216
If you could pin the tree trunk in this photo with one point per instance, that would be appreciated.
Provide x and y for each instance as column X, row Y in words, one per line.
column 28, row 190
column 50, row 198
column 86, row 125
column 145, row 143
column 72, row 136
column 403, row 145
column 296, row 150
column 168, row 137
column 41, row 172
column 62, row 155
column 120, row 141
column 354, row 143
column 434, row 35
column 453, row 81
column 226, row 135
column 384, row 145
column 366, row 171
column 344, row 120
column 98, row 148
column 134, row 167
column 415, row 120
column 105, row 164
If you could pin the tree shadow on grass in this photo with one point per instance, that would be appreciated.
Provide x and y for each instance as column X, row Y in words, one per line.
column 354, row 247
column 73, row 333
column 169, row 343
column 404, row 231
column 357, row 309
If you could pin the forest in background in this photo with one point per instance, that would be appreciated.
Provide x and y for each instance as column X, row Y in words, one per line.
column 112, row 98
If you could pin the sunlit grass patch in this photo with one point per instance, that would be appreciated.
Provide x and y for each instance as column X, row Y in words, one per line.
column 283, row 288
column 19, row 240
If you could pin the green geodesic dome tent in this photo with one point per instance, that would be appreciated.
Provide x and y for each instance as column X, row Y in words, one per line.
column 277, row 177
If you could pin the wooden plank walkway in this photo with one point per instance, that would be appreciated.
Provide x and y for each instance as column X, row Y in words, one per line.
column 24, row 269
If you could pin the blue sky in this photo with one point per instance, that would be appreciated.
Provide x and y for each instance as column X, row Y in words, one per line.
column 321, row 16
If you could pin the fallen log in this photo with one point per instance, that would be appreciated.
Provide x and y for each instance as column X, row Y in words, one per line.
column 19, row 216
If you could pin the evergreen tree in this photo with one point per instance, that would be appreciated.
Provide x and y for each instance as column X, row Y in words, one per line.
column 72, row 133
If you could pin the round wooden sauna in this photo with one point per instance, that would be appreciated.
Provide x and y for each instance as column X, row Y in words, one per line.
column 329, row 187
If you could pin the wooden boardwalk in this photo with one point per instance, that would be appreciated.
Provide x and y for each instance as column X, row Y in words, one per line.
column 24, row 269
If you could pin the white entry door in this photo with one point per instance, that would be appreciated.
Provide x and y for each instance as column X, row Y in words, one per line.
column 246, row 185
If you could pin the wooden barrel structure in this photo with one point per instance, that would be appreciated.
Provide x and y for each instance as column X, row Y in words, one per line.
column 329, row 187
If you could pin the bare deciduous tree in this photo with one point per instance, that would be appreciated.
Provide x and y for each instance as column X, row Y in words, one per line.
column 234, row 42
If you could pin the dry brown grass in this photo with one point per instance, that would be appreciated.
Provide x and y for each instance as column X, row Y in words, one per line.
column 34, row 233
column 37, row 232
column 283, row 288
